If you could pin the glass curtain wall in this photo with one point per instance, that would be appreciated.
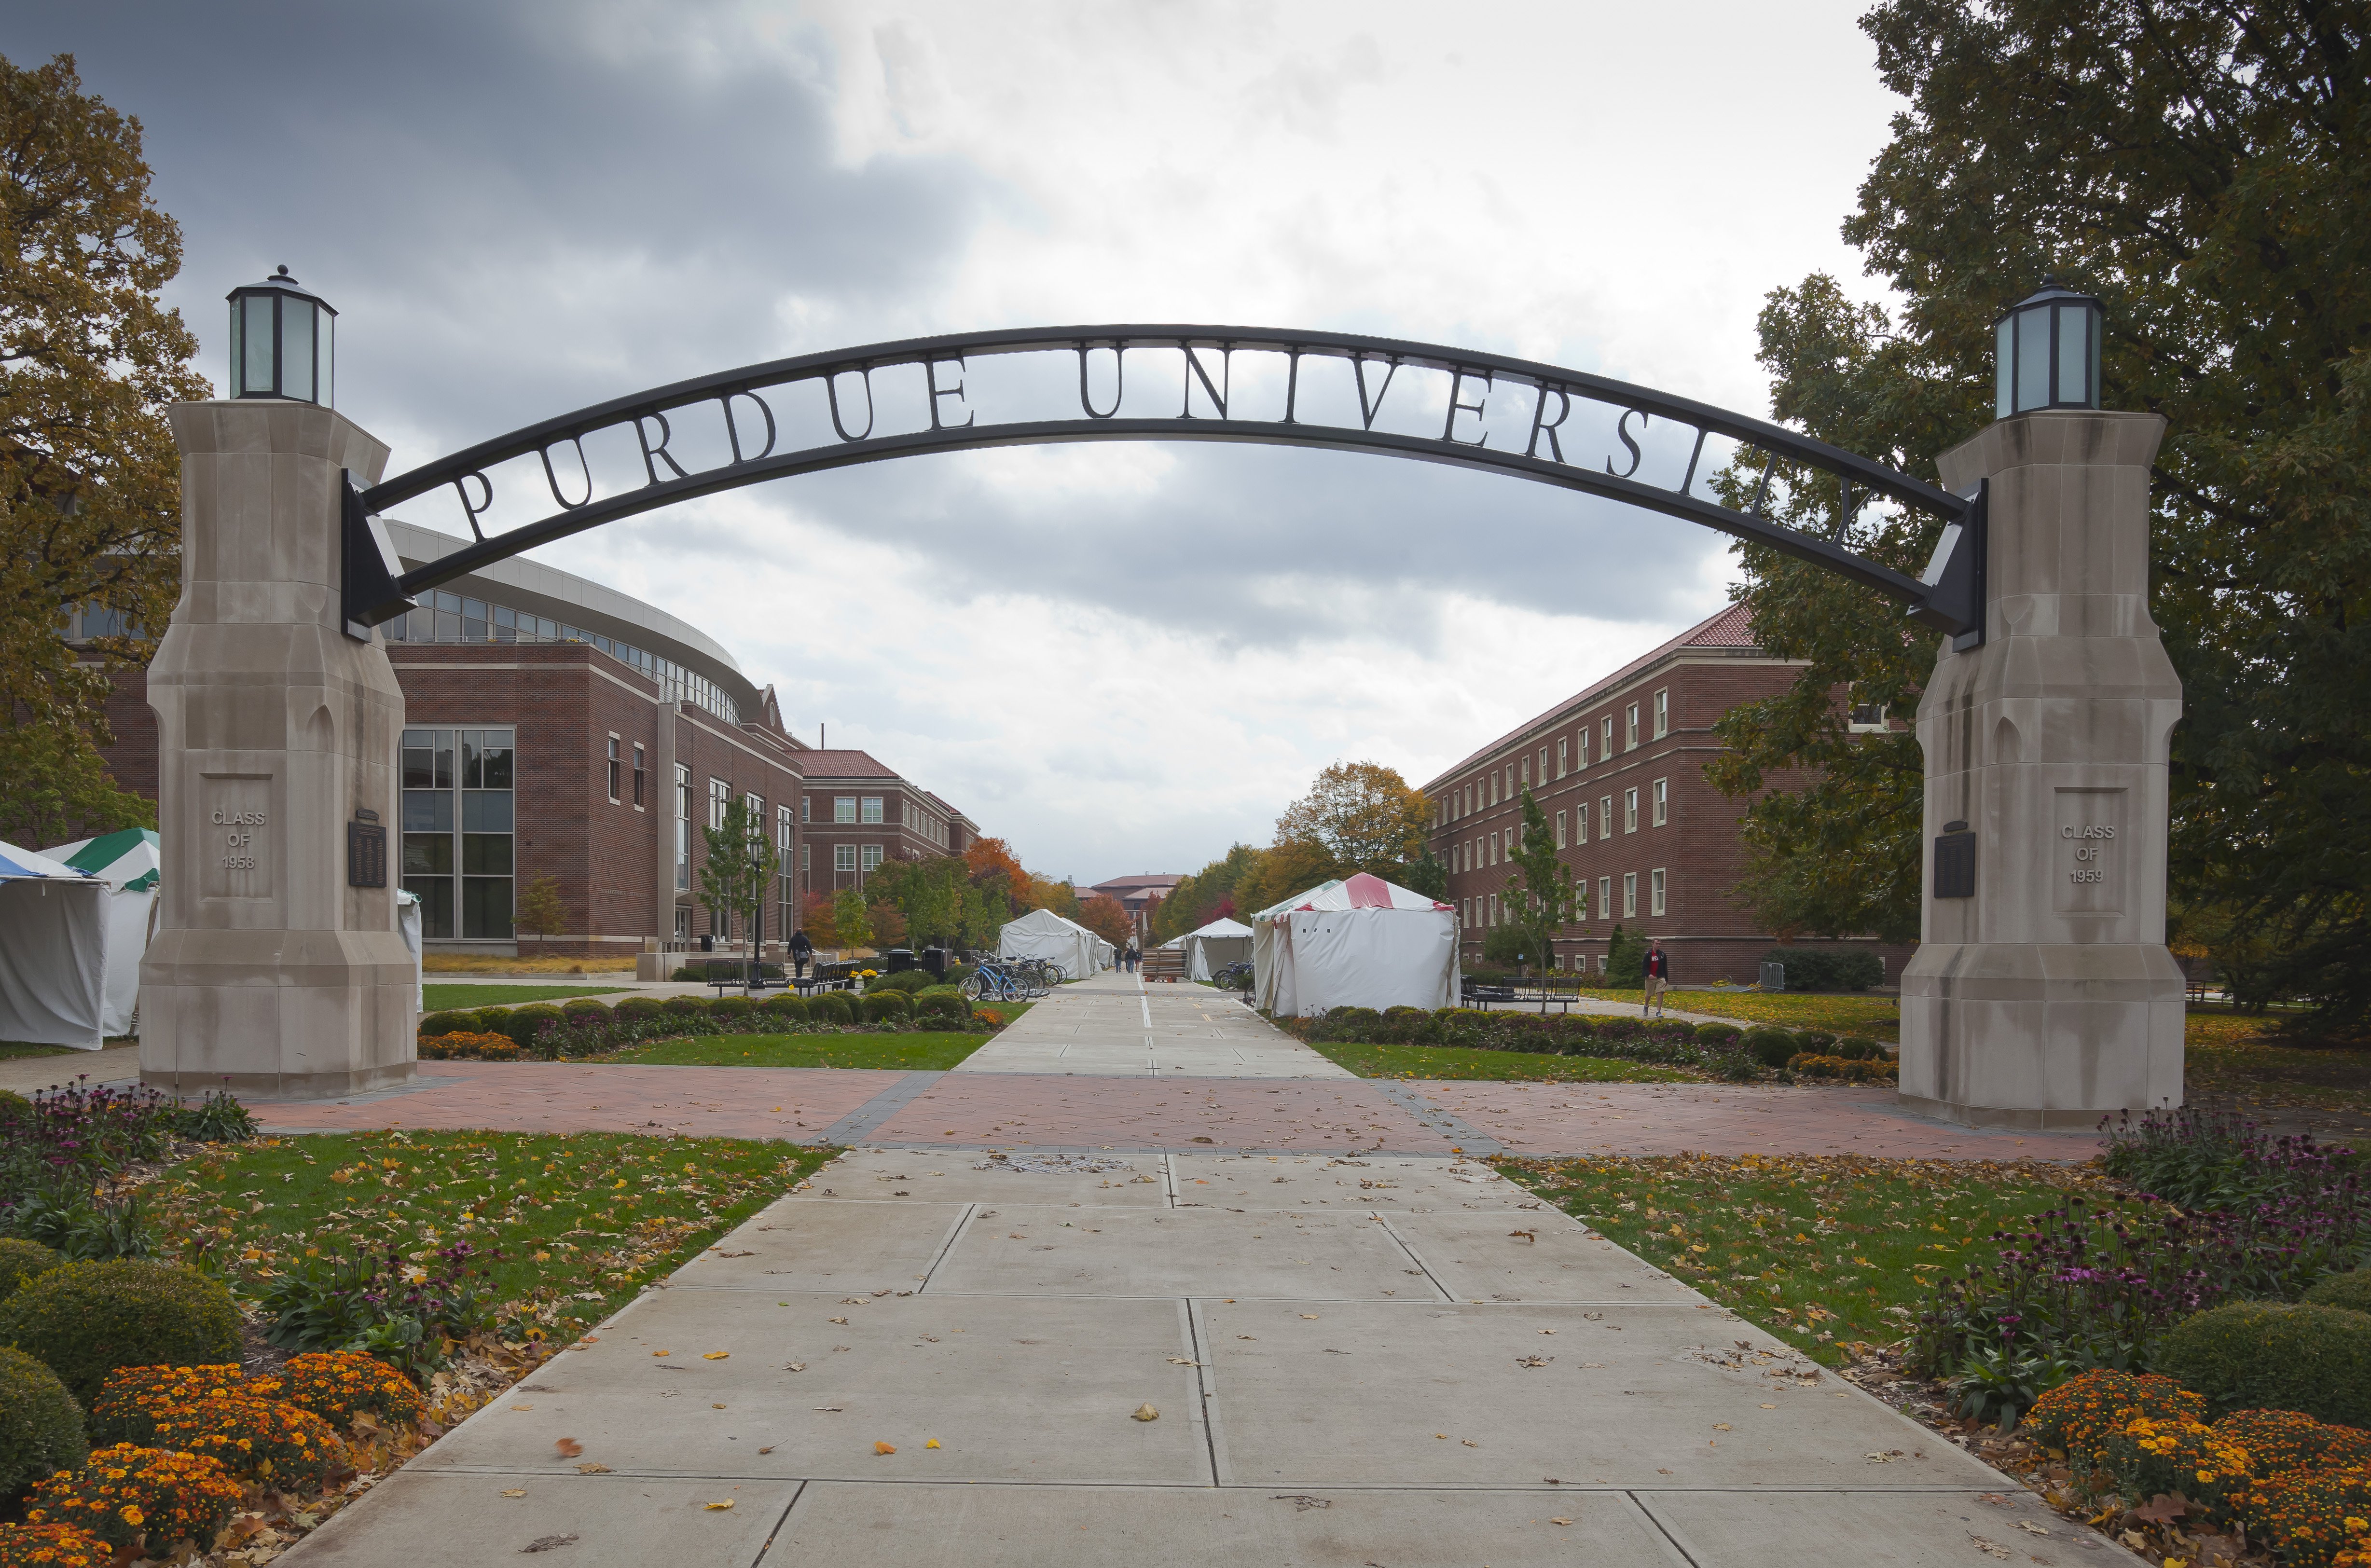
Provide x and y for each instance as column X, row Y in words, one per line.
column 459, row 825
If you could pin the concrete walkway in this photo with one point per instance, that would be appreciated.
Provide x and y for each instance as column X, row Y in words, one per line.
column 986, row 1358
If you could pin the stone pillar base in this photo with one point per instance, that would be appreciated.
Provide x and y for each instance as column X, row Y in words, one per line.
column 275, row 1015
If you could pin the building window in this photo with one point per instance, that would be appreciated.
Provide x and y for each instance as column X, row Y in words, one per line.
column 1604, row 816
column 1494, row 909
column 806, row 856
column 1600, row 964
column 843, row 857
column 1629, row 810
column 1527, row 773
column 1494, row 849
column 1544, row 765
column 871, row 812
column 1662, row 713
column 1629, row 894
column 1561, row 840
column 683, row 922
column 1580, row 822
column 1630, row 727
column 1580, row 747
column 1564, row 748
column 870, row 860
column 1654, row 891
column 843, row 808
column 641, row 767
column 720, row 796
column 805, row 813
column 1868, row 718
column 617, row 767
column 1605, row 751
column 1662, row 801
column 1605, row 898
column 459, row 817
column 682, row 833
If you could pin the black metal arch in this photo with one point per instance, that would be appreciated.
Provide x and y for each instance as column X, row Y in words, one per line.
column 1949, row 597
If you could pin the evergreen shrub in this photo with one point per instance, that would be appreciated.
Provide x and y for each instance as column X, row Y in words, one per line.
column 20, row 1260
column 1828, row 969
column 731, row 1013
column 637, row 1010
column 86, row 1319
column 2274, row 1355
column 2351, row 1290
column 585, row 1007
column 784, row 1009
column 687, row 1007
column 1771, row 1047
column 40, row 1425
column 887, row 1007
column 943, row 1002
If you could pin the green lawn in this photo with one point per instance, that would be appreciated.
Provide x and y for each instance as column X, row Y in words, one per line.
column 1839, row 1012
column 447, row 997
column 583, row 1214
column 1460, row 1062
column 14, row 1049
column 902, row 1053
column 1822, row 1252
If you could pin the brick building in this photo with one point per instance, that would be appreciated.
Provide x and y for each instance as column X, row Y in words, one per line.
column 1139, row 894
column 855, row 812
column 556, row 726
column 1618, row 770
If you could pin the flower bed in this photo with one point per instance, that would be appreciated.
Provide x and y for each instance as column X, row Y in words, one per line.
column 464, row 1046
column 1710, row 1048
column 585, row 1028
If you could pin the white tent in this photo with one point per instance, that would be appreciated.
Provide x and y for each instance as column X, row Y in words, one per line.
column 1215, row 946
column 1041, row 933
column 130, row 864
column 53, row 931
column 1364, row 943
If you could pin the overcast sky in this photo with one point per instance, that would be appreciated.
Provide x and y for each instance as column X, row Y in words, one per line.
column 1121, row 657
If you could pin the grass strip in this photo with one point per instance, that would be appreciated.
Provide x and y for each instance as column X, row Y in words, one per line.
column 1825, row 1252
column 1877, row 1018
column 582, row 1221
column 1507, row 1066
column 448, row 996
column 906, row 1053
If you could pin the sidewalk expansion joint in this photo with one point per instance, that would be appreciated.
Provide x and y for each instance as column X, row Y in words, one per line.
column 954, row 1234
column 851, row 1127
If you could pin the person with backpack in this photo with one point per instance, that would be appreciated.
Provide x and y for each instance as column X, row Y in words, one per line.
column 1659, row 979
column 802, row 949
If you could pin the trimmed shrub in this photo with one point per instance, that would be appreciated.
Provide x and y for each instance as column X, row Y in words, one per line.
column 87, row 1319
column 523, row 1025
column 832, row 1007
column 40, row 1425
column 460, row 1022
column 2273, row 1355
column 696, row 976
column 1771, row 1047
column 1849, row 1069
column 122, row 1493
column 1828, row 969
column 2351, row 1290
column 910, row 981
column 1859, row 1048
column 585, row 1007
column 686, row 1007
column 1715, row 1033
column 20, row 1260
column 732, row 1013
column 943, row 1002
column 887, row 1007
column 637, row 1010
column 468, row 1047
column 784, row 1009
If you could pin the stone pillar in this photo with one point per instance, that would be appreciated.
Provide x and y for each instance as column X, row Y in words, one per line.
column 274, row 731
column 2046, row 998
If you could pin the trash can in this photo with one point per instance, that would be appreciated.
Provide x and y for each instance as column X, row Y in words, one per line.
column 936, row 960
column 900, row 960
column 708, row 941
column 1773, row 976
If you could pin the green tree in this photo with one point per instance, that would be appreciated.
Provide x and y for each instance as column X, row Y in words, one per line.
column 849, row 918
column 1363, row 815
column 1287, row 867
column 89, row 478
column 741, row 863
column 1541, row 897
column 2205, row 171
column 540, row 908
column 53, row 788
column 1424, row 875
column 1205, row 896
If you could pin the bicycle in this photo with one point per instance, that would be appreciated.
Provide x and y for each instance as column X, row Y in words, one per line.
column 997, row 983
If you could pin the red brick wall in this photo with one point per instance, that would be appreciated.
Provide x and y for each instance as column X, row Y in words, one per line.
column 1709, row 936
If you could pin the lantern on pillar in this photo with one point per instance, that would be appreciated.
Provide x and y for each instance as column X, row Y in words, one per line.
column 281, row 342
column 2048, row 350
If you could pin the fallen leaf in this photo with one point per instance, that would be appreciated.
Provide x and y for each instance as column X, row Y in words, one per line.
column 1181, row 1361
column 1560, row 1521
column 714, row 1507
column 1311, row 1316
column 932, row 1443
column 569, row 1447
column 548, row 1543
column 1469, row 1442
column 796, row 1366
column 715, row 1355
column 592, row 1470
column 1530, row 1237
column 1301, row 1502
column 1146, row 1412
column 716, row 1407
column 839, row 1320
column 1769, row 1407
column 662, row 1353
column 2029, row 1527
column 1720, row 1426
column 2163, row 1509
column 884, row 1447
column 515, row 1492
column 522, row 1407
column 1990, row 1549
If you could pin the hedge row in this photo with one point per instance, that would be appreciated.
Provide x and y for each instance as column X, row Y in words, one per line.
column 585, row 1027
column 1714, row 1048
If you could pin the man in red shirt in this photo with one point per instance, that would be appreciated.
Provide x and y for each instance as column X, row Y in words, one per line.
column 1659, row 979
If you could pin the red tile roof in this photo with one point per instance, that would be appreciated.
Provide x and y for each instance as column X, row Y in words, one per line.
column 1731, row 627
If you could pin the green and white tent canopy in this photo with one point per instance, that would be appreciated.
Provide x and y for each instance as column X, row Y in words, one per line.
column 128, row 861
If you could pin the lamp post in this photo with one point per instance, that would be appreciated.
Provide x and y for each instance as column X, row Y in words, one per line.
column 282, row 342
column 2047, row 348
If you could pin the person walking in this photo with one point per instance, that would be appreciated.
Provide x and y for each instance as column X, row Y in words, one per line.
column 802, row 949
column 1659, row 979
column 1132, row 958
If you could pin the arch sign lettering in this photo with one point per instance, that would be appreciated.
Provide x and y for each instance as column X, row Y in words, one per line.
column 1154, row 382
